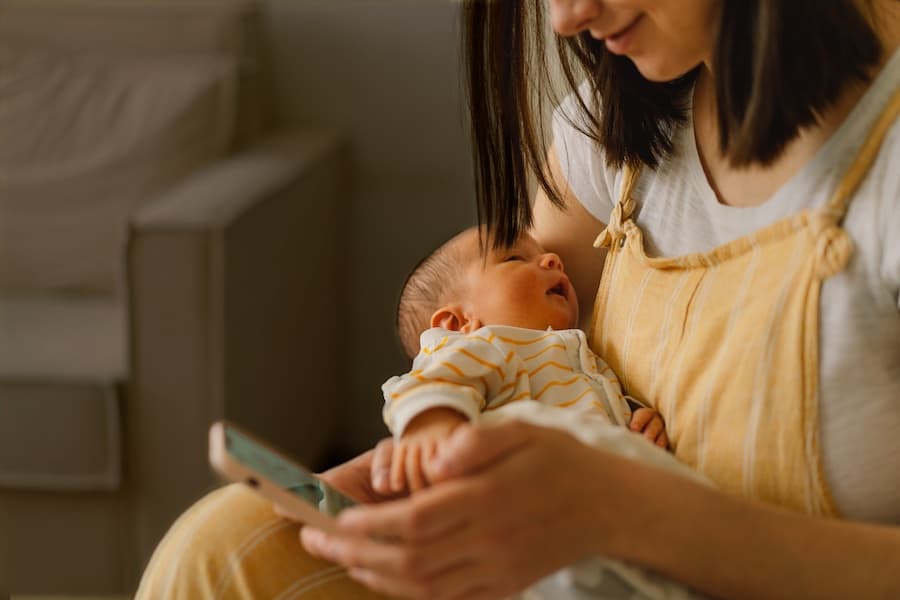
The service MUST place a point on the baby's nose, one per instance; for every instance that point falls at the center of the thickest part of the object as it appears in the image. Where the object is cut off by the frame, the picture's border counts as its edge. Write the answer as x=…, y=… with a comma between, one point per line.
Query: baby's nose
x=551, y=260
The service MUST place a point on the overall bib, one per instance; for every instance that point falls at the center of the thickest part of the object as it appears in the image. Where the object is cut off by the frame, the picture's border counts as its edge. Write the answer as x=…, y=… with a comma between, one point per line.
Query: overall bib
x=725, y=344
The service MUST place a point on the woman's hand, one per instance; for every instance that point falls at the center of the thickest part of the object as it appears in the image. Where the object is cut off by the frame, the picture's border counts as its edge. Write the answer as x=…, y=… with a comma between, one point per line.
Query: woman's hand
x=515, y=502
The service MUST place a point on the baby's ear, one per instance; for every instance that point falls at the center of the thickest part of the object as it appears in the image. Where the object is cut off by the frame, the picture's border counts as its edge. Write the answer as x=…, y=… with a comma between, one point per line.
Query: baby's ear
x=450, y=317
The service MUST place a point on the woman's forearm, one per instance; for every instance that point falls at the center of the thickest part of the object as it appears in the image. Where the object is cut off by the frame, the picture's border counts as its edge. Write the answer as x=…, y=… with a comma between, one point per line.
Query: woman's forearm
x=732, y=548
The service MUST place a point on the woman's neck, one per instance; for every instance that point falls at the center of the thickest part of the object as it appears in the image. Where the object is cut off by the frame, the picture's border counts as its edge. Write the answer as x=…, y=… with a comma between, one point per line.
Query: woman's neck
x=753, y=185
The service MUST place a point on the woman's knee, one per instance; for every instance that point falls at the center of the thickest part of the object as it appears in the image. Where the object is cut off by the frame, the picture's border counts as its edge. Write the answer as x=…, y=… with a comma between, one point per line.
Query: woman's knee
x=231, y=544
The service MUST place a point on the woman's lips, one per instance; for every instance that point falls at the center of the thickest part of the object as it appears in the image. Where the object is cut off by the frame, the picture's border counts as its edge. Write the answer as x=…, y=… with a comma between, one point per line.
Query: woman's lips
x=619, y=42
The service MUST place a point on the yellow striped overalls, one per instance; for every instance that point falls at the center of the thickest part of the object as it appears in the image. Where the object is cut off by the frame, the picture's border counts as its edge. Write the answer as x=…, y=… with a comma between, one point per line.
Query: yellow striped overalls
x=725, y=344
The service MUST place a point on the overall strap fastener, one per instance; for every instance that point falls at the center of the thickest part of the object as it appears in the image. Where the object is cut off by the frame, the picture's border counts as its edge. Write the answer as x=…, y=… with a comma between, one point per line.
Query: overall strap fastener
x=833, y=246
x=622, y=211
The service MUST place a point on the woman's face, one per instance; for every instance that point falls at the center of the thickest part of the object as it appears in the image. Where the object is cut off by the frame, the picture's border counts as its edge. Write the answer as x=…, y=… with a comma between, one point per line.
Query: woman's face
x=664, y=38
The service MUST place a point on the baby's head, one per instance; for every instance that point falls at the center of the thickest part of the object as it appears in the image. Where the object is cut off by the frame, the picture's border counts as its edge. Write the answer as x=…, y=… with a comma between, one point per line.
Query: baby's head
x=458, y=288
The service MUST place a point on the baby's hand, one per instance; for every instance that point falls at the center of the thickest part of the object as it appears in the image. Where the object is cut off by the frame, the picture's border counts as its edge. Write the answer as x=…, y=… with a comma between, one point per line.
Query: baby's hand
x=419, y=445
x=649, y=423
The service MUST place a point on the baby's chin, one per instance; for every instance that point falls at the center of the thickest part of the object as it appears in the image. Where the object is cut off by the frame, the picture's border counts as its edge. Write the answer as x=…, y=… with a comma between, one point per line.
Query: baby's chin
x=557, y=323
x=562, y=324
x=572, y=322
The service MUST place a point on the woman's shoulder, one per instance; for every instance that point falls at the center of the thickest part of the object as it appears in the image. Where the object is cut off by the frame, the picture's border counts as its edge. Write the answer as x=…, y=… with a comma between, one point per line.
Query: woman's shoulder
x=581, y=159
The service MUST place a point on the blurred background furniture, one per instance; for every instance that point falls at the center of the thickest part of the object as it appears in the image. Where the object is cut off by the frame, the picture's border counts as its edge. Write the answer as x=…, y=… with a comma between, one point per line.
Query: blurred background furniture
x=169, y=255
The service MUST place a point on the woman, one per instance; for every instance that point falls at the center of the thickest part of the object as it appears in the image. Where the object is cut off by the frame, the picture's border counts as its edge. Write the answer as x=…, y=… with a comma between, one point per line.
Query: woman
x=744, y=156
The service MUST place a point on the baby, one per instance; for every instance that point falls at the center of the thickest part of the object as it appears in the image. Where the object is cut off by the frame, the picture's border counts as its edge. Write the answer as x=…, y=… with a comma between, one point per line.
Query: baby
x=493, y=339
x=491, y=332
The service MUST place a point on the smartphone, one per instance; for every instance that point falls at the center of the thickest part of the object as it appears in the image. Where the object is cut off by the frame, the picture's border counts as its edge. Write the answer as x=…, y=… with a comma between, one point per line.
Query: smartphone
x=241, y=457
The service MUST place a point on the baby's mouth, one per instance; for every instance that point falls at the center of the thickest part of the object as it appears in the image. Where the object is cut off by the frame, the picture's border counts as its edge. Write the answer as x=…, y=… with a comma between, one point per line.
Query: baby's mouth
x=560, y=289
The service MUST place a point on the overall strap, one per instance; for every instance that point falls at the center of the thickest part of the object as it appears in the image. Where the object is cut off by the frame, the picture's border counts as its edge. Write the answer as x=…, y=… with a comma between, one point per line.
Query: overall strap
x=833, y=246
x=840, y=200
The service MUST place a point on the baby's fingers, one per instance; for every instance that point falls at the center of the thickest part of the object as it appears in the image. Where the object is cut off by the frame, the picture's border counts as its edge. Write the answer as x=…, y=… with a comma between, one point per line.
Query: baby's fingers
x=398, y=468
x=654, y=428
x=414, y=477
x=662, y=440
x=640, y=418
x=381, y=466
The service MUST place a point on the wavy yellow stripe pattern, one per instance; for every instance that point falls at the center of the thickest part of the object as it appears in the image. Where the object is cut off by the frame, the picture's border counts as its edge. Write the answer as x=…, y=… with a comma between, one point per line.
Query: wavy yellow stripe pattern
x=546, y=349
x=556, y=383
x=397, y=397
x=550, y=363
x=481, y=361
x=575, y=400
x=521, y=396
x=441, y=344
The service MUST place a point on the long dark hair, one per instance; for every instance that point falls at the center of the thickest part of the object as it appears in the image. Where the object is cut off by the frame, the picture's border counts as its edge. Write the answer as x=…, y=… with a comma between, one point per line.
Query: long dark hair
x=779, y=64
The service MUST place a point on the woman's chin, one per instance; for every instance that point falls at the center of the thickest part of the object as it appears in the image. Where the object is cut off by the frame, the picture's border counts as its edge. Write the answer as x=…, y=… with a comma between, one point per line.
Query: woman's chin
x=660, y=70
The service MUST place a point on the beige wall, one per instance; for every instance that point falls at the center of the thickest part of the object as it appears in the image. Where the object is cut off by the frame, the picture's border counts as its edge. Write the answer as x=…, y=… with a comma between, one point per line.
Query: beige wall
x=386, y=72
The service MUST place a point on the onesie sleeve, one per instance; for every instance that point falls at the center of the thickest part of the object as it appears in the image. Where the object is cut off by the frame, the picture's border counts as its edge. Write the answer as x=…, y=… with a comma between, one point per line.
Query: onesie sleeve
x=453, y=370
x=582, y=161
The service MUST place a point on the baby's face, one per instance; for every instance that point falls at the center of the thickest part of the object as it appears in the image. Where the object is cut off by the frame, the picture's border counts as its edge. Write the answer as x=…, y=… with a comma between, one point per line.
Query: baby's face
x=523, y=286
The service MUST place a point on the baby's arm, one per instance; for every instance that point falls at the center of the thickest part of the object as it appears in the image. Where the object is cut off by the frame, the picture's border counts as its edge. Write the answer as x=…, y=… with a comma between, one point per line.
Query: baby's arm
x=649, y=423
x=451, y=381
x=418, y=444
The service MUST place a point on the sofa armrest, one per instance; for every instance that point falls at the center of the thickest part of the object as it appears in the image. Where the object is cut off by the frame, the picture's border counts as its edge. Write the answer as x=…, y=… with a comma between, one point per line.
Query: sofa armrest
x=233, y=291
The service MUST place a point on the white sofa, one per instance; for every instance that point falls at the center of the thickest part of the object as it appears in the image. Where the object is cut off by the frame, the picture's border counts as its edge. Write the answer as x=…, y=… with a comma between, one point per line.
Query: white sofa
x=167, y=258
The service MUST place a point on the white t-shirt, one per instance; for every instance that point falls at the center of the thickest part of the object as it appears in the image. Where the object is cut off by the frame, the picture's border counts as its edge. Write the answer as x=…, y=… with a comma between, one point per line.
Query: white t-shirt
x=860, y=307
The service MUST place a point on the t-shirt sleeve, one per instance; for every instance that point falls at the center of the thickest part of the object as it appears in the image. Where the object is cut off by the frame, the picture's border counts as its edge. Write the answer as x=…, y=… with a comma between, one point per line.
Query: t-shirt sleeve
x=582, y=162
x=889, y=219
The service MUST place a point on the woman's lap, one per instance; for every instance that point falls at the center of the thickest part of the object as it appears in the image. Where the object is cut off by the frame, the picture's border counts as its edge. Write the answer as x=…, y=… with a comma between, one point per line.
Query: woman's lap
x=230, y=545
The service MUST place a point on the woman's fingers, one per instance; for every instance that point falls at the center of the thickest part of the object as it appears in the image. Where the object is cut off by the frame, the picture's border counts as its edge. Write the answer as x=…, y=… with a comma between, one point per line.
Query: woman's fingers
x=375, y=564
x=421, y=517
x=439, y=568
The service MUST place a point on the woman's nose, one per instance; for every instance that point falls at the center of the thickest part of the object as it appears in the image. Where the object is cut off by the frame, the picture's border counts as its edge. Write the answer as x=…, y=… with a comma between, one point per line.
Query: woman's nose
x=551, y=260
x=570, y=17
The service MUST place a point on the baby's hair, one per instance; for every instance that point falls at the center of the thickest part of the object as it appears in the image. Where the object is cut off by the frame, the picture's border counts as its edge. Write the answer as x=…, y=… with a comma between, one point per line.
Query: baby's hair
x=430, y=285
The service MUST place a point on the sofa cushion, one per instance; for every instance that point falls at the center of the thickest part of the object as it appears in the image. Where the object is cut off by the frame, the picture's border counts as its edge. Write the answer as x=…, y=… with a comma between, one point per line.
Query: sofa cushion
x=62, y=361
x=144, y=28
x=89, y=138
x=135, y=27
